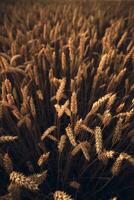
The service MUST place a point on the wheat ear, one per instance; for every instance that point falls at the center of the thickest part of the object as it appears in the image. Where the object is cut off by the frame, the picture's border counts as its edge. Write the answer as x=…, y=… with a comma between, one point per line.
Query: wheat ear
x=23, y=181
x=98, y=140
x=60, y=195
x=47, y=132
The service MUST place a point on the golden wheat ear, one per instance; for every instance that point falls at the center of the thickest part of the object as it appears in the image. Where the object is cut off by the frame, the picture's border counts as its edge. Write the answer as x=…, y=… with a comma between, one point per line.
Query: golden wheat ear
x=58, y=195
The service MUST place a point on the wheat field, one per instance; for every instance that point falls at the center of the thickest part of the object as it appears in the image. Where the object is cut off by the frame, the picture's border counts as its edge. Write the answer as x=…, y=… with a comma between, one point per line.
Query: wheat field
x=67, y=100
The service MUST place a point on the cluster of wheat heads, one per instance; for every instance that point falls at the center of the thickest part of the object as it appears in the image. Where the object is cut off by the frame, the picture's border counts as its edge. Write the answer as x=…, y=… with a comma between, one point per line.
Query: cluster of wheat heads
x=66, y=101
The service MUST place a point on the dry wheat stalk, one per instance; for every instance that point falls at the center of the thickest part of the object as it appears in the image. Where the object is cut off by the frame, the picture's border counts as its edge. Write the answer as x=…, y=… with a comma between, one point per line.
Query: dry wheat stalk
x=48, y=62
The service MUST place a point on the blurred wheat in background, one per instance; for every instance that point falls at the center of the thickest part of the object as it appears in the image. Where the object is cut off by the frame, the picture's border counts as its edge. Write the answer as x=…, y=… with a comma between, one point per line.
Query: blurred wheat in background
x=67, y=100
